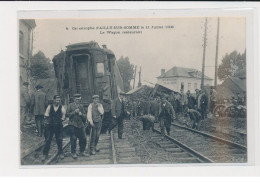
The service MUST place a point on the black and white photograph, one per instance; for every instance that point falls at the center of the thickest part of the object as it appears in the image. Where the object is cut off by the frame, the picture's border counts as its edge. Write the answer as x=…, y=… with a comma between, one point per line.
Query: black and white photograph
x=133, y=91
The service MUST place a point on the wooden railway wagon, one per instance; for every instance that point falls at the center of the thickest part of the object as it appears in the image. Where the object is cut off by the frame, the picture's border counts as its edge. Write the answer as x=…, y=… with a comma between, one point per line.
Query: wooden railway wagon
x=87, y=69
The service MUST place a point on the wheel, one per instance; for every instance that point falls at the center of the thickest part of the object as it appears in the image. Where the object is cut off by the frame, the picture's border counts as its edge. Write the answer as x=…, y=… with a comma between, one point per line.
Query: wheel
x=231, y=111
x=219, y=111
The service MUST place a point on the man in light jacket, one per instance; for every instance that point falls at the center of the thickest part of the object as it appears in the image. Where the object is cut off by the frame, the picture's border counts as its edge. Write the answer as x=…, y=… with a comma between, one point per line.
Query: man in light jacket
x=95, y=117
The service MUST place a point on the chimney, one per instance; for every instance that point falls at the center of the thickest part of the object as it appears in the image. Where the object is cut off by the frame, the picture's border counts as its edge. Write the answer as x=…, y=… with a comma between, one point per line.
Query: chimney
x=162, y=72
x=104, y=46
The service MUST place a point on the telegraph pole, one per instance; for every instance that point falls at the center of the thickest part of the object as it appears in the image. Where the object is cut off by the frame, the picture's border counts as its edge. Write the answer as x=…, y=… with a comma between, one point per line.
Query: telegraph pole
x=134, y=77
x=216, y=58
x=139, y=83
x=204, y=53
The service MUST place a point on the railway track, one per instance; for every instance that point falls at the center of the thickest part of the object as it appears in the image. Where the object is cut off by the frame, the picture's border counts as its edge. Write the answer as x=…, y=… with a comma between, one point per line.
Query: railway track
x=34, y=155
x=112, y=151
x=158, y=149
x=214, y=148
x=186, y=154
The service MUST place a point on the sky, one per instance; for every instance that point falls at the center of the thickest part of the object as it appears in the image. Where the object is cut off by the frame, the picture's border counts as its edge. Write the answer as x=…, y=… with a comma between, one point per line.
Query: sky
x=154, y=49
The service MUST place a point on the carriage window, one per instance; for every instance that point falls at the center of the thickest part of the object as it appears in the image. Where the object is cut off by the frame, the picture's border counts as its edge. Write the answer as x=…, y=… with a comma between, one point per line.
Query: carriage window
x=100, y=68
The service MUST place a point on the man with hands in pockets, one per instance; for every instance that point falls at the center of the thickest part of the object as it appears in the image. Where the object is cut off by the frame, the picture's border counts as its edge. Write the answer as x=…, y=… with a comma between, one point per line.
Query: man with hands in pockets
x=95, y=117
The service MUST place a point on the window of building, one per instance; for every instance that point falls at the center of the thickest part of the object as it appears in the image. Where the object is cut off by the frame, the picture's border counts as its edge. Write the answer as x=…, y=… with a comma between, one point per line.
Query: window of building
x=189, y=86
x=21, y=42
x=195, y=86
x=182, y=86
x=100, y=68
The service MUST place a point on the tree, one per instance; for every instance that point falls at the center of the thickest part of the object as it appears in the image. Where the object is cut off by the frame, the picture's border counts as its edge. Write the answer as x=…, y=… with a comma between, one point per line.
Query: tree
x=126, y=70
x=231, y=65
x=41, y=66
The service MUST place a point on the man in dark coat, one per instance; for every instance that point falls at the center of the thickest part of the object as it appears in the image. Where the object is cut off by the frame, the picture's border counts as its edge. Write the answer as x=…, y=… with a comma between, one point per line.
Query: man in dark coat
x=203, y=104
x=166, y=116
x=191, y=101
x=173, y=101
x=118, y=111
x=55, y=115
x=148, y=121
x=39, y=103
x=76, y=126
x=195, y=116
x=154, y=107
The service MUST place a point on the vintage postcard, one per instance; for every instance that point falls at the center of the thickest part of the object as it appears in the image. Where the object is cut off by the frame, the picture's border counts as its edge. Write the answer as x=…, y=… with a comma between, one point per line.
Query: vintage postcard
x=105, y=91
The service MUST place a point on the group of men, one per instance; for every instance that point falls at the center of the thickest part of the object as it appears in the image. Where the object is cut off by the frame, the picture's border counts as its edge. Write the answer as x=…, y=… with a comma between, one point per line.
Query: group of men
x=79, y=119
x=50, y=117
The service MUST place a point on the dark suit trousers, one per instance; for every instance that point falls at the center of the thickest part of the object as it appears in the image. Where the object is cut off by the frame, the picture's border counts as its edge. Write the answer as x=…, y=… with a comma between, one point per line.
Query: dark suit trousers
x=39, y=123
x=120, y=126
x=77, y=133
x=50, y=130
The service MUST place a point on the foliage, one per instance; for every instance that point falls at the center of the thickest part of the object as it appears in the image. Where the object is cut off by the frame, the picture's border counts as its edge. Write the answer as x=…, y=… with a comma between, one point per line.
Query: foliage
x=41, y=66
x=232, y=64
x=126, y=70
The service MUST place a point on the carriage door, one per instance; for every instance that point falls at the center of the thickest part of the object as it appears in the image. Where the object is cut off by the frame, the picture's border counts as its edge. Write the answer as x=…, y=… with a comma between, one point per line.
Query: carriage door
x=84, y=77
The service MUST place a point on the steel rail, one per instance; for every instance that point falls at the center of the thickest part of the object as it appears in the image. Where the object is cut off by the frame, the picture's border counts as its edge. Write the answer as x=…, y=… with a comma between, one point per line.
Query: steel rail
x=54, y=156
x=201, y=157
x=233, y=144
x=113, y=147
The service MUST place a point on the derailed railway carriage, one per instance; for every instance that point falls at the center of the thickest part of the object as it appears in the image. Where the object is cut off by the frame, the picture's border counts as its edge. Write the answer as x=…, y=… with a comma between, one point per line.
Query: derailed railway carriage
x=87, y=69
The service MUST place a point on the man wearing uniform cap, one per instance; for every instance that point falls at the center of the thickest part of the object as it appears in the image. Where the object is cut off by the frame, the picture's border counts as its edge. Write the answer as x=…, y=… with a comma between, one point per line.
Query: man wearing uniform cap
x=76, y=126
x=95, y=117
x=39, y=103
x=54, y=116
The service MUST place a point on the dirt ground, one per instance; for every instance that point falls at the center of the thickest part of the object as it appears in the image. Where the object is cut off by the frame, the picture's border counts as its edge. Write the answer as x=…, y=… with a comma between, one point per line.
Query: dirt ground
x=214, y=125
x=28, y=137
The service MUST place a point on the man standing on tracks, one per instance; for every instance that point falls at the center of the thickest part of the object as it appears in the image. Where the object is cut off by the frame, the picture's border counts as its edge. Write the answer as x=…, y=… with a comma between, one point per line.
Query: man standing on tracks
x=118, y=111
x=166, y=115
x=95, y=117
x=39, y=104
x=76, y=126
x=54, y=116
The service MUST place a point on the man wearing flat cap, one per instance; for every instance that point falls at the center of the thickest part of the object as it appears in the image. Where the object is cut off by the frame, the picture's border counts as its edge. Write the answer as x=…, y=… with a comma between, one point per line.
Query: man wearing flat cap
x=24, y=102
x=166, y=115
x=54, y=115
x=95, y=117
x=76, y=126
x=39, y=104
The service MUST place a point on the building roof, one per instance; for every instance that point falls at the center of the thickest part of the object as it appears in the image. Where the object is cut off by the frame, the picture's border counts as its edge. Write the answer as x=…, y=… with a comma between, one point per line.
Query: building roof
x=241, y=74
x=239, y=82
x=134, y=90
x=183, y=72
x=228, y=90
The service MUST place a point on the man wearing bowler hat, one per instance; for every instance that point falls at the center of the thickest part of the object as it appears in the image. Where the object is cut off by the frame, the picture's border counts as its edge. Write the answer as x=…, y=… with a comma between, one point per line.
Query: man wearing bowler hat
x=39, y=104
x=76, y=126
x=95, y=117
